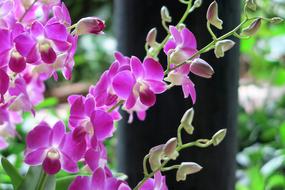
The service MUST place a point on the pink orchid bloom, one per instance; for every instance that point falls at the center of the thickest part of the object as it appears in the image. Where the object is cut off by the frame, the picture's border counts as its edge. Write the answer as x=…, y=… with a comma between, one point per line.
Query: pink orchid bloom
x=140, y=83
x=98, y=181
x=53, y=148
x=181, y=46
x=179, y=77
x=158, y=183
x=86, y=119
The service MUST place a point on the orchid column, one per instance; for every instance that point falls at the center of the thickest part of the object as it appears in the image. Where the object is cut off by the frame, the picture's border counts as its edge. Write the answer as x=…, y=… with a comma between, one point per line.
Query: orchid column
x=215, y=107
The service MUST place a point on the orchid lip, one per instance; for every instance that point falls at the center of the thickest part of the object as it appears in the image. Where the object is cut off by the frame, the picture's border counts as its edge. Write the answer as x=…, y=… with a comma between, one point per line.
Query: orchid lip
x=53, y=154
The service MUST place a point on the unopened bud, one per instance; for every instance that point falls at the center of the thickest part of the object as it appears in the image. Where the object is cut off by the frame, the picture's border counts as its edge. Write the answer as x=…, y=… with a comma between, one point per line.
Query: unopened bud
x=222, y=46
x=253, y=28
x=169, y=149
x=187, y=168
x=151, y=37
x=201, y=68
x=90, y=25
x=219, y=136
x=155, y=157
x=276, y=20
x=251, y=4
x=165, y=16
x=186, y=121
x=212, y=15
x=197, y=3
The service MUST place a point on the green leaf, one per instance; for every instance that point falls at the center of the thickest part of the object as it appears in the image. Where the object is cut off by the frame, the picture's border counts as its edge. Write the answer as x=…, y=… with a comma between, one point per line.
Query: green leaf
x=276, y=181
x=49, y=102
x=12, y=172
x=34, y=177
x=64, y=182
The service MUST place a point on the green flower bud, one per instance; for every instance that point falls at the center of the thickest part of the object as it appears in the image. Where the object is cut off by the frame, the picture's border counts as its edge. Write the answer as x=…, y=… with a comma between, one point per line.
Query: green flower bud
x=155, y=157
x=197, y=3
x=251, y=4
x=219, y=136
x=169, y=149
x=222, y=46
x=276, y=20
x=212, y=15
x=253, y=28
x=165, y=16
x=187, y=168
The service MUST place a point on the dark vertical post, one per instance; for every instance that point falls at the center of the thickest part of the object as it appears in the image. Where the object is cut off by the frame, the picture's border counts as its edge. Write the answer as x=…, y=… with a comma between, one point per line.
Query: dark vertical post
x=216, y=106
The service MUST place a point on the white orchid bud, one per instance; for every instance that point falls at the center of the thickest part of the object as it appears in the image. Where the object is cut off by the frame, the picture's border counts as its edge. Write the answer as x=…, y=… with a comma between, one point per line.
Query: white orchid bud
x=165, y=16
x=219, y=136
x=186, y=121
x=201, y=68
x=155, y=157
x=187, y=168
x=212, y=15
x=169, y=149
x=222, y=46
x=276, y=20
x=151, y=37
x=197, y=3
x=253, y=28
x=251, y=4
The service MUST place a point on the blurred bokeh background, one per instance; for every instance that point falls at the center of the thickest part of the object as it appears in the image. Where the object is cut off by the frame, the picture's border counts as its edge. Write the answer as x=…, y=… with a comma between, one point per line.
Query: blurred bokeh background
x=261, y=124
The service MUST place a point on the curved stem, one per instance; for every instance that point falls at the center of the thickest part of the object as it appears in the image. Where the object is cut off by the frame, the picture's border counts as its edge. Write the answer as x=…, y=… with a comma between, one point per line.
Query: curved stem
x=42, y=180
x=26, y=12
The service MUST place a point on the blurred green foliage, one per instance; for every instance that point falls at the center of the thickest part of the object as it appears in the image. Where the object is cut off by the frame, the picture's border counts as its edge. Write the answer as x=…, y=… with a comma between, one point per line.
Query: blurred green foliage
x=261, y=157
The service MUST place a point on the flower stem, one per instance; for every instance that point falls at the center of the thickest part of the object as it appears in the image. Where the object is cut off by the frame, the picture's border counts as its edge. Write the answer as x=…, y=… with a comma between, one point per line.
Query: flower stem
x=26, y=12
x=42, y=180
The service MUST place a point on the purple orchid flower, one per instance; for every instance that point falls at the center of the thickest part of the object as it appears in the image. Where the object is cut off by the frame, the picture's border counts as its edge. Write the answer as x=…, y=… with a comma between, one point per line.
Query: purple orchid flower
x=140, y=83
x=99, y=181
x=86, y=119
x=182, y=46
x=158, y=183
x=53, y=148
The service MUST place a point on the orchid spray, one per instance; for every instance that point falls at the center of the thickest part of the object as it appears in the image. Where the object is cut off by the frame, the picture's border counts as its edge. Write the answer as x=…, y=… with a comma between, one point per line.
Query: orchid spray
x=38, y=39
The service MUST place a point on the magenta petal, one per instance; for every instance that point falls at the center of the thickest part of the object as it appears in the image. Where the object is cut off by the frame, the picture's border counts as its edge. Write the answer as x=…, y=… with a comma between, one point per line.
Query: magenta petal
x=147, y=97
x=169, y=46
x=36, y=157
x=37, y=29
x=80, y=183
x=5, y=40
x=57, y=133
x=141, y=115
x=24, y=44
x=62, y=46
x=157, y=87
x=56, y=32
x=48, y=55
x=103, y=124
x=188, y=38
x=124, y=187
x=123, y=84
x=137, y=67
x=39, y=136
x=79, y=133
x=51, y=166
x=176, y=34
x=131, y=101
x=4, y=84
x=92, y=158
x=17, y=63
x=153, y=69
x=34, y=56
x=189, y=89
x=68, y=164
x=89, y=106
x=3, y=143
x=74, y=149
x=98, y=179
